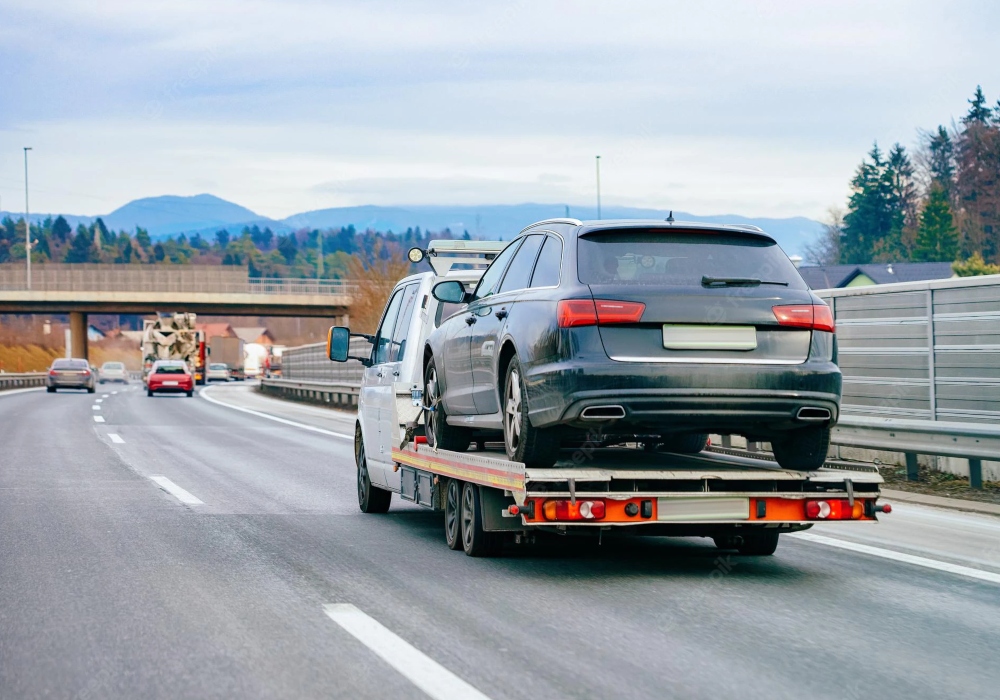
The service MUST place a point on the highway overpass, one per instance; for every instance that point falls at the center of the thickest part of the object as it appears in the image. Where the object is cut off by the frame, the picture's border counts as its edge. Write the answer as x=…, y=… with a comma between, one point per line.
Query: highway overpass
x=79, y=290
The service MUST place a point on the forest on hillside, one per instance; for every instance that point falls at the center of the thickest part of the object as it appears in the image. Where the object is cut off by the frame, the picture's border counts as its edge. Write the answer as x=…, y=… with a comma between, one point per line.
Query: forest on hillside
x=942, y=204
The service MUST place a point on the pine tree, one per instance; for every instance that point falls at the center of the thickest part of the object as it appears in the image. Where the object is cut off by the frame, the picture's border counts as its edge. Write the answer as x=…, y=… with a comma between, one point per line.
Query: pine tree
x=937, y=237
x=82, y=250
x=222, y=238
x=875, y=219
x=61, y=230
x=979, y=113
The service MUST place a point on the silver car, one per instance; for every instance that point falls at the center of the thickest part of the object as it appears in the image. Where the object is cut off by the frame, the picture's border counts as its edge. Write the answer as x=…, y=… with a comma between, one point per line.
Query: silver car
x=113, y=372
x=70, y=373
x=217, y=372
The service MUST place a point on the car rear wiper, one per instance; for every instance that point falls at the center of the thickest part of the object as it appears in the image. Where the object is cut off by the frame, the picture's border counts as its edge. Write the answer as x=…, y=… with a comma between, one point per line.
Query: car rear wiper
x=737, y=282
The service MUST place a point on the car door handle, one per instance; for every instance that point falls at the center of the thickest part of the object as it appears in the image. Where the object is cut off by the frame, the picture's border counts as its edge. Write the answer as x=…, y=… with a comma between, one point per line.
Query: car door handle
x=501, y=314
x=470, y=320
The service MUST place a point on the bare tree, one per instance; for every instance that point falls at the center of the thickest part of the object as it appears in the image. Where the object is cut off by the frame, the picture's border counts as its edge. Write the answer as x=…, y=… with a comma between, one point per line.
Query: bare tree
x=826, y=249
x=375, y=273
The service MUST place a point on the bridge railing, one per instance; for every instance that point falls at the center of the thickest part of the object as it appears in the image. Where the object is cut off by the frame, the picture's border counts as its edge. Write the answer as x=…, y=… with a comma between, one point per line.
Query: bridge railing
x=10, y=380
x=215, y=279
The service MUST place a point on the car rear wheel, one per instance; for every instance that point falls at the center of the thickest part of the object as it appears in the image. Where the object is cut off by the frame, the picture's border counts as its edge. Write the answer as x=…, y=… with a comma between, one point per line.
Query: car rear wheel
x=189, y=394
x=50, y=389
x=453, y=514
x=535, y=447
x=149, y=392
x=804, y=449
x=442, y=435
x=475, y=540
x=685, y=444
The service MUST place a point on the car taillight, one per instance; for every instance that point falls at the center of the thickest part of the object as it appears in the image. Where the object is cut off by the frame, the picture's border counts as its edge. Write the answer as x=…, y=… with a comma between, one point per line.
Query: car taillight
x=52, y=373
x=567, y=510
x=834, y=509
x=817, y=317
x=587, y=312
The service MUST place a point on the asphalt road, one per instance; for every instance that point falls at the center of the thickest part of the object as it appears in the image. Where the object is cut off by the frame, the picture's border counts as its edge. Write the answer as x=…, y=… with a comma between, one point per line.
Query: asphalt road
x=112, y=587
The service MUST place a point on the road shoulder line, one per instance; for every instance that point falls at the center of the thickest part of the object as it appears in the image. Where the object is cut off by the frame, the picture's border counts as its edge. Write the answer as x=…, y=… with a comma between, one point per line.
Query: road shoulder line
x=204, y=394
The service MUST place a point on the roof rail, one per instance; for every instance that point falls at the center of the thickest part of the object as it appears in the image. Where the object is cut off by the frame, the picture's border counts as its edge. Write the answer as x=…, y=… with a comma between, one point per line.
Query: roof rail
x=562, y=220
x=748, y=227
x=443, y=255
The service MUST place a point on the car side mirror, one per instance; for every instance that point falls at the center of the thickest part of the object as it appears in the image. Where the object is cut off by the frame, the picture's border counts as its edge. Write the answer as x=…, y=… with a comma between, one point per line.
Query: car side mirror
x=338, y=345
x=451, y=292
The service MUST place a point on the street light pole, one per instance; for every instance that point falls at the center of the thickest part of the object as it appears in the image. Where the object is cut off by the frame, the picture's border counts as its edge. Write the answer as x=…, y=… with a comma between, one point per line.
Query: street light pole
x=27, y=217
x=598, y=187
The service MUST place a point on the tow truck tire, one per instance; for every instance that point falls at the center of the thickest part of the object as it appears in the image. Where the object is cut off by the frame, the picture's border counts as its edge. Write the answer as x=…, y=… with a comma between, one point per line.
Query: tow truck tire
x=371, y=499
x=804, y=449
x=149, y=392
x=685, y=444
x=441, y=435
x=475, y=540
x=761, y=543
x=535, y=447
x=453, y=514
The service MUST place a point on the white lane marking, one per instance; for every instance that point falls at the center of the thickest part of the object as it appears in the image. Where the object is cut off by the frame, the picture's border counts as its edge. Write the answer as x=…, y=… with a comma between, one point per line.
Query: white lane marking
x=95, y=407
x=116, y=438
x=113, y=393
x=104, y=396
x=204, y=394
x=98, y=419
x=10, y=392
x=899, y=556
x=421, y=670
x=176, y=491
x=98, y=400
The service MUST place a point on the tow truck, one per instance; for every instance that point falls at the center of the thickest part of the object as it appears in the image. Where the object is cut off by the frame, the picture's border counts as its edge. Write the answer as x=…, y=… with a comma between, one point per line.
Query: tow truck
x=742, y=500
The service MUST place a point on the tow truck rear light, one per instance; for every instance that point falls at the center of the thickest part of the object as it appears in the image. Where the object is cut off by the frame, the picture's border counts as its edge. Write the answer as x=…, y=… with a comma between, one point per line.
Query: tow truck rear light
x=588, y=312
x=834, y=509
x=589, y=509
x=817, y=317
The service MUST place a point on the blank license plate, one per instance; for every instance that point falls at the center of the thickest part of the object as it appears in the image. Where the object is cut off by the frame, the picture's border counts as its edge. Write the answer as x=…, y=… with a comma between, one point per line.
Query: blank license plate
x=170, y=383
x=690, y=337
x=703, y=509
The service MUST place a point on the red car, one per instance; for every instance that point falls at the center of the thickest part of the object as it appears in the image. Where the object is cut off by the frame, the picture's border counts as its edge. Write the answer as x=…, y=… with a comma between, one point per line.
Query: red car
x=170, y=375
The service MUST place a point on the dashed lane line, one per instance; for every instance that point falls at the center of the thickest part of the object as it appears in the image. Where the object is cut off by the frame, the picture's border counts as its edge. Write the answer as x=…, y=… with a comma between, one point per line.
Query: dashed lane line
x=344, y=436
x=116, y=438
x=98, y=419
x=176, y=491
x=424, y=672
x=924, y=562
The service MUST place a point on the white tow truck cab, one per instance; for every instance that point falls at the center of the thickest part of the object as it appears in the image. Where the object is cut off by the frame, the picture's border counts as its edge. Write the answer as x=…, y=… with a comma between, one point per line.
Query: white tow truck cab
x=740, y=500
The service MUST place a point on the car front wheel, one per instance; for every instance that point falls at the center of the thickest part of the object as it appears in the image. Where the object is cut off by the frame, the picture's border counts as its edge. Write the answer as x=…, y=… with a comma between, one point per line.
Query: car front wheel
x=535, y=447
x=804, y=449
x=444, y=436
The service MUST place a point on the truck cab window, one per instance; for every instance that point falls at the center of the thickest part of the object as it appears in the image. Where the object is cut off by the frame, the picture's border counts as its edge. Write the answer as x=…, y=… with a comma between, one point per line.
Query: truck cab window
x=383, y=339
x=403, y=324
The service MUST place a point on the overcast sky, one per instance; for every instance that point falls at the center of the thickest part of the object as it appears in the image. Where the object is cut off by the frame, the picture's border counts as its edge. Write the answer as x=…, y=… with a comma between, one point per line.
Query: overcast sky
x=761, y=109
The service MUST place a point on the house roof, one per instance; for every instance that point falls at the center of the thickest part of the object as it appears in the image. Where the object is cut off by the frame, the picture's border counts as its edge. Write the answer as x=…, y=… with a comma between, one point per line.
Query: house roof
x=214, y=330
x=251, y=334
x=835, y=276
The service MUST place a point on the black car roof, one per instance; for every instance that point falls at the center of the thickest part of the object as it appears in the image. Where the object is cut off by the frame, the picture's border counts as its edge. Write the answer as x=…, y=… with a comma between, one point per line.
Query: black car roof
x=585, y=227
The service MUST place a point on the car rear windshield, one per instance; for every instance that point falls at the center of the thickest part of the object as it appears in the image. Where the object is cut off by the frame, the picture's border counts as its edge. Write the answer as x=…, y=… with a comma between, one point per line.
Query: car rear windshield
x=70, y=364
x=170, y=369
x=217, y=365
x=679, y=258
x=112, y=365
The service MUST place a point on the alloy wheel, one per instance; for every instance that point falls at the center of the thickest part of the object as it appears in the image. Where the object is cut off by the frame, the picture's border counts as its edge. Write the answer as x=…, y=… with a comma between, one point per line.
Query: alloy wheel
x=468, y=517
x=362, y=479
x=452, y=514
x=512, y=412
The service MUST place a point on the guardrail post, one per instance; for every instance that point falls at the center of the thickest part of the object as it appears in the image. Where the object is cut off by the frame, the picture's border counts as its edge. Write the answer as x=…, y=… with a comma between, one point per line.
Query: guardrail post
x=912, y=469
x=976, y=473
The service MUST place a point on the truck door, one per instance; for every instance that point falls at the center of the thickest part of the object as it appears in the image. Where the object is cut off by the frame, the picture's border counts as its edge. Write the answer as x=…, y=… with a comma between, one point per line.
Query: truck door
x=492, y=313
x=390, y=384
x=376, y=393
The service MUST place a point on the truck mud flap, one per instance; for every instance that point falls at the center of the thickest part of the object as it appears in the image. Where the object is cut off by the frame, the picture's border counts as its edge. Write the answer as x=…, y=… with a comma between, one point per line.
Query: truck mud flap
x=494, y=503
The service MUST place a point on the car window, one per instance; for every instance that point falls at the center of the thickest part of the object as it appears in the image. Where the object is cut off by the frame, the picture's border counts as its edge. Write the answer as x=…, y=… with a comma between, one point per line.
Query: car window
x=70, y=364
x=548, y=265
x=519, y=270
x=491, y=278
x=217, y=365
x=170, y=369
x=383, y=339
x=681, y=258
x=112, y=365
x=403, y=323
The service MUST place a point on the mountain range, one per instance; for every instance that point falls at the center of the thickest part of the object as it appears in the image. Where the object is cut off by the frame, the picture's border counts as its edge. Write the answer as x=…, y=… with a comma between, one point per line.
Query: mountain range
x=205, y=214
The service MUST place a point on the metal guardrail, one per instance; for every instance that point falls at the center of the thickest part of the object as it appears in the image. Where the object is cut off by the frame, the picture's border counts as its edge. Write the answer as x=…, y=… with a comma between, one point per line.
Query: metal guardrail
x=334, y=394
x=309, y=363
x=17, y=381
x=222, y=279
x=972, y=441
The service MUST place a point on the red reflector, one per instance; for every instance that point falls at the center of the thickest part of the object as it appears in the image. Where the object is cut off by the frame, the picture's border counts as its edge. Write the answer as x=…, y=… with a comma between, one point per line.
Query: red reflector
x=581, y=510
x=834, y=509
x=619, y=311
x=816, y=317
x=420, y=439
x=576, y=312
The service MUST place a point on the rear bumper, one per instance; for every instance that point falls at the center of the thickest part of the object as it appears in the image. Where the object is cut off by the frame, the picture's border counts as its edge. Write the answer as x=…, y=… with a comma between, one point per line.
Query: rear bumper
x=736, y=398
x=159, y=388
x=68, y=383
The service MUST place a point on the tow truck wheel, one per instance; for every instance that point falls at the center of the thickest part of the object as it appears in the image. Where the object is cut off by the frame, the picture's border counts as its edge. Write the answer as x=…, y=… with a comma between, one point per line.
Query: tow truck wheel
x=475, y=540
x=442, y=435
x=371, y=499
x=804, y=449
x=536, y=447
x=761, y=543
x=453, y=514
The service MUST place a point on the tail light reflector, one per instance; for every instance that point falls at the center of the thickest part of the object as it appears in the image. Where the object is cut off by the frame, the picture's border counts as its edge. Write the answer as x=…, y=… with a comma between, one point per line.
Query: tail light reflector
x=817, y=317
x=567, y=510
x=834, y=509
x=589, y=312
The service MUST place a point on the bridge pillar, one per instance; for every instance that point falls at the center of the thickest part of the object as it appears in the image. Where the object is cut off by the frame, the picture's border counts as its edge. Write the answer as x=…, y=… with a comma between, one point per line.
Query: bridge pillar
x=78, y=334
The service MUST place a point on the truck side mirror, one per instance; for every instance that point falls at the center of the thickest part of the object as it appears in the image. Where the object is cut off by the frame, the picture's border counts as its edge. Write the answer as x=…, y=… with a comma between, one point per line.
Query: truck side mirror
x=451, y=292
x=338, y=343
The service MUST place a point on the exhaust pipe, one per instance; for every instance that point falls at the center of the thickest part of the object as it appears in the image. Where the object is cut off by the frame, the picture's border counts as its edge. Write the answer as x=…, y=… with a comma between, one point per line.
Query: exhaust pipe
x=602, y=413
x=813, y=415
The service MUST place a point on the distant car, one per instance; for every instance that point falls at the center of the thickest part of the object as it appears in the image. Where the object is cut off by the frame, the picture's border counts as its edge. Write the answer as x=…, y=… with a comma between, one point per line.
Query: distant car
x=170, y=376
x=113, y=372
x=217, y=372
x=70, y=373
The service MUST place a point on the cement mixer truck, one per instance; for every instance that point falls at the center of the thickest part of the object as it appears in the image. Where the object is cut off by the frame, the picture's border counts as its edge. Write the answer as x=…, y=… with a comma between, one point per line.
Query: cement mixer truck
x=172, y=337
